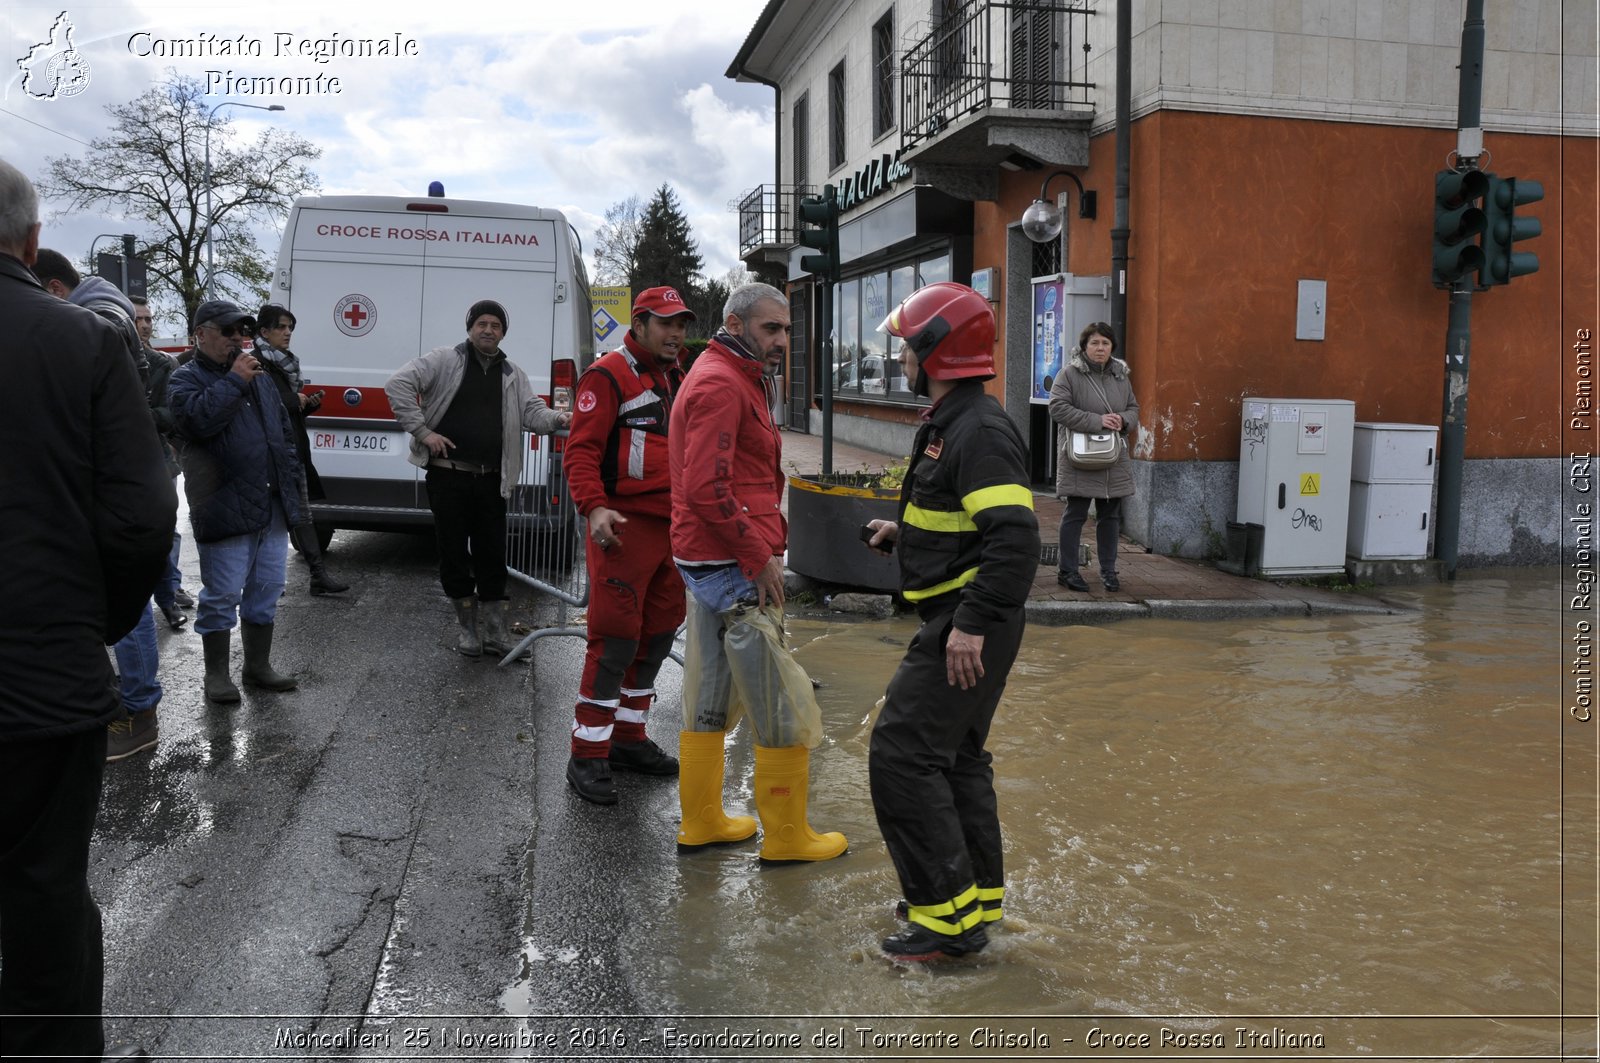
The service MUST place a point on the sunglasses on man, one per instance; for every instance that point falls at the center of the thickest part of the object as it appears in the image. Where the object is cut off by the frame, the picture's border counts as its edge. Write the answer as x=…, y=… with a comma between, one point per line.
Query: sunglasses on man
x=232, y=331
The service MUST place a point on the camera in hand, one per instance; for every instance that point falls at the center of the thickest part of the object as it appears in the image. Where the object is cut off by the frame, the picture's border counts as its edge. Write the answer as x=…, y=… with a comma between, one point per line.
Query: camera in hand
x=868, y=531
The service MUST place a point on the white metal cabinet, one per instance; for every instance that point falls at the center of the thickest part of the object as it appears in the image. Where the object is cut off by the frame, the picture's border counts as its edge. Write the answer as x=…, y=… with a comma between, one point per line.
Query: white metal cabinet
x=1391, y=491
x=1294, y=481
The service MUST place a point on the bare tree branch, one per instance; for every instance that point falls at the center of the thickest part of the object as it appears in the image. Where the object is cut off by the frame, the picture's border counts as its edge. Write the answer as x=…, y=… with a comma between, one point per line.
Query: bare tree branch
x=151, y=168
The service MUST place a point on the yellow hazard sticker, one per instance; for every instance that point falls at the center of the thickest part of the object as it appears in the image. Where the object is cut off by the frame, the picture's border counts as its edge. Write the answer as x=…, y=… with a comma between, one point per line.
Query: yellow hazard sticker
x=1311, y=483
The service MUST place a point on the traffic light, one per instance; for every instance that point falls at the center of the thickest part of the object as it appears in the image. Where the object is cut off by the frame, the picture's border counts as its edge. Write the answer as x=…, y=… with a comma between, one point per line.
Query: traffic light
x=1456, y=220
x=1502, y=229
x=819, y=216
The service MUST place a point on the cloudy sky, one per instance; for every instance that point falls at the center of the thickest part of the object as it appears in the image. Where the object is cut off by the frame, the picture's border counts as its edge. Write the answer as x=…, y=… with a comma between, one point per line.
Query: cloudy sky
x=555, y=103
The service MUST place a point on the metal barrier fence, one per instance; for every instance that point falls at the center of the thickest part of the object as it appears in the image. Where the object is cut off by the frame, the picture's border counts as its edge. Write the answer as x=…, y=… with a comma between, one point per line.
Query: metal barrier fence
x=544, y=549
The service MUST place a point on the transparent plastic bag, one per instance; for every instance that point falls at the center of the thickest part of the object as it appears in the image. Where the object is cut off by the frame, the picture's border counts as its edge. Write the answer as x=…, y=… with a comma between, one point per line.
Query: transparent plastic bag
x=754, y=674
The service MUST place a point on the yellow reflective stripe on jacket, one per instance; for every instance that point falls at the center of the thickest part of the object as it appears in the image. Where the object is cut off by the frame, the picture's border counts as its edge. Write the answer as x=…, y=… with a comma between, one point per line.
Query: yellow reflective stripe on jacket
x=999, y=495
x=939, y=588
x=937, y=917
x=938, y=520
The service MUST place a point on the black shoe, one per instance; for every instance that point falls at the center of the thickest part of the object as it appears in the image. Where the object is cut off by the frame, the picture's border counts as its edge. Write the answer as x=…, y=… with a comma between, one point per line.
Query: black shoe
x=1110, y=580
x=322, y=583
x=134, y=733
x=1071, y=581
x=182, y=599
x=645, y=757
x=918, y=944
x=591, y=778
x=175, y=619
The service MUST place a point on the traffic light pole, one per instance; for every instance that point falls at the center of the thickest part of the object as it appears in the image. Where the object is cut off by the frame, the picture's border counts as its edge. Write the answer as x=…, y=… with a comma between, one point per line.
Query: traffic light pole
x=1458, y=334
x=1453, y=434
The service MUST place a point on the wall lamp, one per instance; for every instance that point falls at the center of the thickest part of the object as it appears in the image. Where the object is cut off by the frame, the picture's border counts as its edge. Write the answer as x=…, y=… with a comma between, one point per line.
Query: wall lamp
x=1042, y=220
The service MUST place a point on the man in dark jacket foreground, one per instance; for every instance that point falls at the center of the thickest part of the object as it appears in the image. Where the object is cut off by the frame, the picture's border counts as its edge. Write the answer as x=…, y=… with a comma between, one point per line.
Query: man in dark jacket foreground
x=240, y=475
x=86, y=518
x=969, y=548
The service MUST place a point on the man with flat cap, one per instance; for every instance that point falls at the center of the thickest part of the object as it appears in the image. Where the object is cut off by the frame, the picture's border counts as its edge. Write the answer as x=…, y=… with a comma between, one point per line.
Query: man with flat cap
x=616, y=464
x=466, y=407
x=241, y=476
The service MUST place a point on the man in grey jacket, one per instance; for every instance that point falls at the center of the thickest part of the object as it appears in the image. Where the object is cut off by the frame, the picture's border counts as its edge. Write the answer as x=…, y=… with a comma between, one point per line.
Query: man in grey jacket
x=466, y=408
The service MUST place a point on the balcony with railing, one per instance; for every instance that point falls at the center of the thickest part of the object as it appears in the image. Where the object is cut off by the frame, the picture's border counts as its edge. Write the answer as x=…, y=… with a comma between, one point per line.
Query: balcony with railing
x=997, y=82
x=769, y=217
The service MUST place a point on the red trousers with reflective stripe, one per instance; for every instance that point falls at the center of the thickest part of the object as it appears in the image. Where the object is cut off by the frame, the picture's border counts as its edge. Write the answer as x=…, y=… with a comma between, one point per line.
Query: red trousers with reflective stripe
x=635, y=604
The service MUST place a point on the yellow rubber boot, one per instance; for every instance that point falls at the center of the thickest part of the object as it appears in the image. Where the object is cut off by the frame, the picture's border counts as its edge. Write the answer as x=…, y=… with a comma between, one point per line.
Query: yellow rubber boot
x=782, y=776
x=700, y=794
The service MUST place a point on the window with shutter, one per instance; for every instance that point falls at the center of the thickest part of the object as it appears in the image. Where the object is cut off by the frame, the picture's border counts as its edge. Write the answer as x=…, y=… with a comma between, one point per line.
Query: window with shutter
x=1035, y=47
x=836, y=127
x=883, y=75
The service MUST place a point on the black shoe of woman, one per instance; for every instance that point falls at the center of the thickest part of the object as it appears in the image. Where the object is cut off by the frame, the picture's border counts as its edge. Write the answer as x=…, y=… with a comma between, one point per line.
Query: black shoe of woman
x=1072, y=581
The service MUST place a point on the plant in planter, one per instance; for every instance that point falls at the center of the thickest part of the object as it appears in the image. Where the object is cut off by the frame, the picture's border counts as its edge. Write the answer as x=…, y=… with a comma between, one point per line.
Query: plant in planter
x=826, y=512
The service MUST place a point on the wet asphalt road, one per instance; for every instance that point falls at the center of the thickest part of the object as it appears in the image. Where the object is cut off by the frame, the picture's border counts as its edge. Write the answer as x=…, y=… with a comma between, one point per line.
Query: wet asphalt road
x=394, y=838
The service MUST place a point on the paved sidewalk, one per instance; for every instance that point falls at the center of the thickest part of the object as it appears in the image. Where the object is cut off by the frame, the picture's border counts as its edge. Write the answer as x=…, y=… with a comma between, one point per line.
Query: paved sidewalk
x=1153, y=585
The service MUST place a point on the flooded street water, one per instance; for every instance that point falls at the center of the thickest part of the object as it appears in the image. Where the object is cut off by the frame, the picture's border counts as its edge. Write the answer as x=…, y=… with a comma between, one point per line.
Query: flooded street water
x=1307, y=824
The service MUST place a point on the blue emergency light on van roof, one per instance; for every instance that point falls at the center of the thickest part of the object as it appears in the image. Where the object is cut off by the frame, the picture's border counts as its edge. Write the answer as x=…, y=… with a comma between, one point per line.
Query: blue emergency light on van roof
x=436, y=189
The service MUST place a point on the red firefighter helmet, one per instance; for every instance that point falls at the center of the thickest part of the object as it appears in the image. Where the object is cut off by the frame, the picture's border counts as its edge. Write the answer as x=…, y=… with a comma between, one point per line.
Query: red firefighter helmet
x=949, y=328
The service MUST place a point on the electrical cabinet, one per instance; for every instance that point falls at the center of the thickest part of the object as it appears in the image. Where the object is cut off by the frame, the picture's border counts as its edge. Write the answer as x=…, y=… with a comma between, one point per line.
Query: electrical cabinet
x=1294, y=481
x=1391, y=490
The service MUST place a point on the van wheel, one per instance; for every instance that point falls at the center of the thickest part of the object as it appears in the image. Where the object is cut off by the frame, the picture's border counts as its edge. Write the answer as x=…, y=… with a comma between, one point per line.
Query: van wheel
x=324, y=536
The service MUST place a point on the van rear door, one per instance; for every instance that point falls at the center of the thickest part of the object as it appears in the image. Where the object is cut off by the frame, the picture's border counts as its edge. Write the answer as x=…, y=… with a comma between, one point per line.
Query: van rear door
x=356, y=294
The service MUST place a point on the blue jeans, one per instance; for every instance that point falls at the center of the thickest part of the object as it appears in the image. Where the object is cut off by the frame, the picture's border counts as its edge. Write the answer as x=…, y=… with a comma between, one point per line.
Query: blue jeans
x=242, y=577
x=138, y=659
x=167, y=586
x=718, y=588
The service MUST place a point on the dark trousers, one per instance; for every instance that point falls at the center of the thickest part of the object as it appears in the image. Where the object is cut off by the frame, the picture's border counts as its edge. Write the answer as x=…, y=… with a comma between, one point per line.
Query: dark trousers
x=931, y=780
x=469, y=520
x=1107, y=527
x=50, y=949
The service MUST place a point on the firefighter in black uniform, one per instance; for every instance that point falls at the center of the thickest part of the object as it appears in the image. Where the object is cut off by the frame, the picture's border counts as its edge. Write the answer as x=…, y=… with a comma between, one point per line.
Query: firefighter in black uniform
x=969, y=549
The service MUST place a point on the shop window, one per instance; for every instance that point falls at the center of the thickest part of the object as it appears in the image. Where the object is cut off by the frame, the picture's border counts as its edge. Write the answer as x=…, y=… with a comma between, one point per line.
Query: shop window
x=868, y=365
x=847, y=337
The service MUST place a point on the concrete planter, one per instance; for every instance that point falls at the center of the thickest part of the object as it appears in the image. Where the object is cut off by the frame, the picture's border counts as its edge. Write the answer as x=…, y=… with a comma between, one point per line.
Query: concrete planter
x=825, y=519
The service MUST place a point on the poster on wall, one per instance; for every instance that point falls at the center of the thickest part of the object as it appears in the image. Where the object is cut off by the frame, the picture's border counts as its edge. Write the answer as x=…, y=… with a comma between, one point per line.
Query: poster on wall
x=1049, y=326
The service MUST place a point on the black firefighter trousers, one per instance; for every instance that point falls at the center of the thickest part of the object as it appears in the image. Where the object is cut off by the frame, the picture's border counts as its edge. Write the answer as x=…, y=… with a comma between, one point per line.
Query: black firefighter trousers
x=932, y=784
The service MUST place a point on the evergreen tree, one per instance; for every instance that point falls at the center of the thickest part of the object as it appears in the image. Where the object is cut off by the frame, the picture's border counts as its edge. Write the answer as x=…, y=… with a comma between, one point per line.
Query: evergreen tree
x=667, y=251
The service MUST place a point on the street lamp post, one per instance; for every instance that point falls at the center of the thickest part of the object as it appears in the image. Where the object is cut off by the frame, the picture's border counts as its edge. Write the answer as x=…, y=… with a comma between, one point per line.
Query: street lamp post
x=211, y=272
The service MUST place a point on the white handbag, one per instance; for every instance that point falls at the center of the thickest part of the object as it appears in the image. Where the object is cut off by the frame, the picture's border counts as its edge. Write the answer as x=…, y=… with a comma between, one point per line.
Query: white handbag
x=1094, y=450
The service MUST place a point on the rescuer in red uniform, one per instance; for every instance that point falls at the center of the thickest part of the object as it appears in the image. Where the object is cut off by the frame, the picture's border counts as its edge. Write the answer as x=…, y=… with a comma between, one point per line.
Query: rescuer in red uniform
x=616, y=466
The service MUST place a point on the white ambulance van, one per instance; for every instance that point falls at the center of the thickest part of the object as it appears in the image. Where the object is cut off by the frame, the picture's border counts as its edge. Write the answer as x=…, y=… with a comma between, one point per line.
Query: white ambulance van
x=374, y=281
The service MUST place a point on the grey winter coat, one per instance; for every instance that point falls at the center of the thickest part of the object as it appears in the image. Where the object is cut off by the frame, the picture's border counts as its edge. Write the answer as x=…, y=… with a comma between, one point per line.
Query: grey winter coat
x=1075, y=405
x=422, y=390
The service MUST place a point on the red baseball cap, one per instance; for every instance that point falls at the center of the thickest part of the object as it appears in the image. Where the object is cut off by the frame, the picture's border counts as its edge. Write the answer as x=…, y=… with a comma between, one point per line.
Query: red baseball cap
x=662, y=302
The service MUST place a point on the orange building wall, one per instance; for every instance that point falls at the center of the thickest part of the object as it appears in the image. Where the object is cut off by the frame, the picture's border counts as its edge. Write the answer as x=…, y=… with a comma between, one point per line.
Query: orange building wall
x=1229, y=212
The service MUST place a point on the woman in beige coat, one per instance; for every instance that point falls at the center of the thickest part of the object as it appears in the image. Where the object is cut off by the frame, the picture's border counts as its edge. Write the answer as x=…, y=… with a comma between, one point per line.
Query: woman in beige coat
x=1092, y=393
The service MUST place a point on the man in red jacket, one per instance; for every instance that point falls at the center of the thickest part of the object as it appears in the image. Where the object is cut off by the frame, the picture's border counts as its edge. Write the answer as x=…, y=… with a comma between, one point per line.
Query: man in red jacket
x=616, y=466
x=728, y=537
